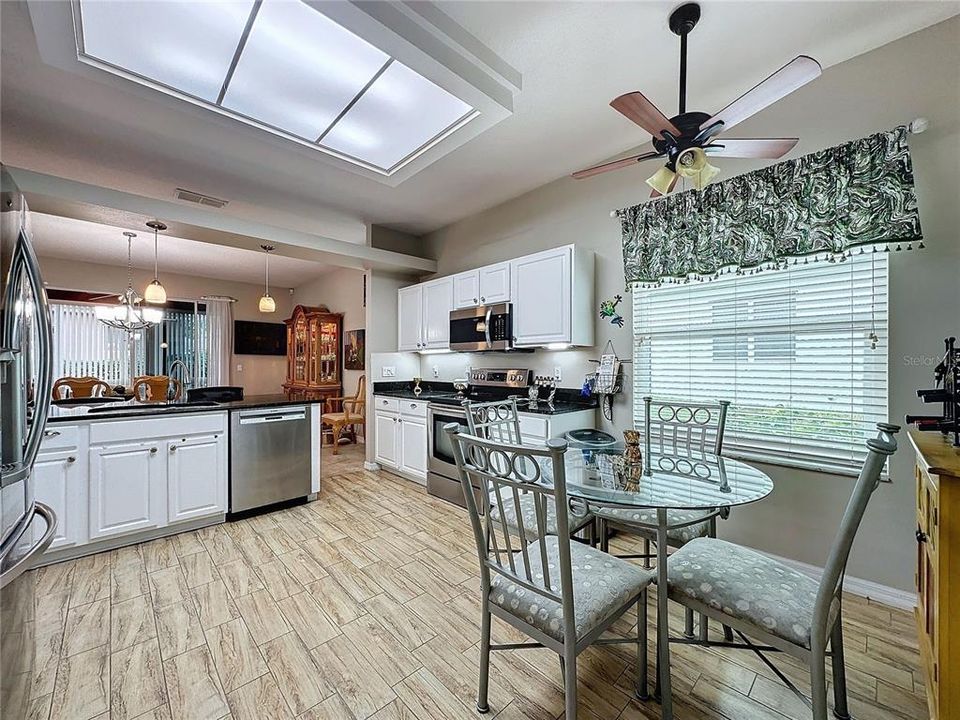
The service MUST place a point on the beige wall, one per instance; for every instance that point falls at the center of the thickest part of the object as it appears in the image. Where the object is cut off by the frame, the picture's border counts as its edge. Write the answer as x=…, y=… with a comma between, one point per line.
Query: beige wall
x=341, y=291
x=915, y=76
x=260, y=374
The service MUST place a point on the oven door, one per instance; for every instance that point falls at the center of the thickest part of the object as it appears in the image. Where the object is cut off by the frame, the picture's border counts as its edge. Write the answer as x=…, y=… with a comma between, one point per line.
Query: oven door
x=439, y=447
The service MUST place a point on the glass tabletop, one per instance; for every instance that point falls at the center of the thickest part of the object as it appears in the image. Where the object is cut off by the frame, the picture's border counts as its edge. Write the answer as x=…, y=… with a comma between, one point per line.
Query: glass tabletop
x=694, y=481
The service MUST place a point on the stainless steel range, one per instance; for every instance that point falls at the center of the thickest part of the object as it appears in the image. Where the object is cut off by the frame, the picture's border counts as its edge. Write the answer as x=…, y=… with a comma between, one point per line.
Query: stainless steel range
x=486, y=385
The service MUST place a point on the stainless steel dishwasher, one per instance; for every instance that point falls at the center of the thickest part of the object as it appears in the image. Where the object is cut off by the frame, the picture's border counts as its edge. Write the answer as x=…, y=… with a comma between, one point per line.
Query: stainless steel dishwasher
x=269, y=456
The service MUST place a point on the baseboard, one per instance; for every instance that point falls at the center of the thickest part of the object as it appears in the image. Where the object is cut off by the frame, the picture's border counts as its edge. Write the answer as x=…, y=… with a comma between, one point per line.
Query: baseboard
x=903, y=599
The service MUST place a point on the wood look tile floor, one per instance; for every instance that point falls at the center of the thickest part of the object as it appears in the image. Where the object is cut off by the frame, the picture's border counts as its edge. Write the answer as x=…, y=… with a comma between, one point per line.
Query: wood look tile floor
x=365, y=604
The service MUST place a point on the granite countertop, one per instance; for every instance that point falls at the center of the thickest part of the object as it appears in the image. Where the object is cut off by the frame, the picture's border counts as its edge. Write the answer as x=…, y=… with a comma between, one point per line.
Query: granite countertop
x=133, y=408
x=567, y=400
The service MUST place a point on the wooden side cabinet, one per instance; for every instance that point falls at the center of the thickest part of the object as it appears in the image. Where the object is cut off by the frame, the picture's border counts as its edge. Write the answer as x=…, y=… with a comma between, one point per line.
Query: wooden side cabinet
x=314, y=354
x=937, y=478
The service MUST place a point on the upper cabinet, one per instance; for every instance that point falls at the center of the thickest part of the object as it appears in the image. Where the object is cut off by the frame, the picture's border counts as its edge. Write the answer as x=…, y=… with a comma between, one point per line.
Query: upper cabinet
x=424, y=315
x=486, y=286
x=551, y=294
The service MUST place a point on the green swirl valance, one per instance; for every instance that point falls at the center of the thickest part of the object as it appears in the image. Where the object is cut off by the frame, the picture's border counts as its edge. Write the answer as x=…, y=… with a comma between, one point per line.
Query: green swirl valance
x=823, y=205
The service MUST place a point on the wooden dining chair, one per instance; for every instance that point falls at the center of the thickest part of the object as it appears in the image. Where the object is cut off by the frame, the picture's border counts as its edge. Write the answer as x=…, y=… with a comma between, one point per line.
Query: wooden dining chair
x=80, y=387
x=563, y=595
x=500, y=422
x=768, y=600
x=673, y=428
x=346, y=413
x=157, y=388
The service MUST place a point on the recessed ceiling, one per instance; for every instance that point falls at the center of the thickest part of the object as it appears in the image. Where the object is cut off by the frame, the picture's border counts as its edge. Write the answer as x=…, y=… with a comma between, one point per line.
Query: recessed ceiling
x=82, y=241
x=281, y=65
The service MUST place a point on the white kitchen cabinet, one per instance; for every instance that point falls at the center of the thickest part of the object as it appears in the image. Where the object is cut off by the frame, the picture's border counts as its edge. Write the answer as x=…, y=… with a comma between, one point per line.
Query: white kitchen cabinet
x=466, y=289
x=127, y=489
x=552, y=295
x=60, y=481
x=486, y=286
x=410, y=317
x=437, y=304
x=385, y=429
x=196, y=477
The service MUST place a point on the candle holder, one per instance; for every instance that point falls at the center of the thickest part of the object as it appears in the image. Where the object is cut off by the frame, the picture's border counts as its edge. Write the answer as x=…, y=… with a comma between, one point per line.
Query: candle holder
x=416, y=386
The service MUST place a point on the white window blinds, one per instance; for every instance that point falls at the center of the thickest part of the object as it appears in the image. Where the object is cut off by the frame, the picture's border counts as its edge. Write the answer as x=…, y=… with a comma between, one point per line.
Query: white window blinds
x=85, y=347
x=792, y=350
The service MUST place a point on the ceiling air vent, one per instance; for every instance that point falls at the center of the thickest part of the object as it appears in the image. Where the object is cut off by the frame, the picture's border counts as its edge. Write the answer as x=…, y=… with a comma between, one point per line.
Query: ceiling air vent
x=200, y=199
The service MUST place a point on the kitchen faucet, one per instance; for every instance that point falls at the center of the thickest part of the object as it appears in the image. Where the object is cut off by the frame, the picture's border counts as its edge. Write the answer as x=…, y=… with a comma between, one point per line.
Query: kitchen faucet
x=185, y=380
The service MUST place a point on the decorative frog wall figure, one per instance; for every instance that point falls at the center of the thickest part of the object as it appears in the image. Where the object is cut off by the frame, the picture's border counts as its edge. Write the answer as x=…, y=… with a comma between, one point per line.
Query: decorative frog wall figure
x=608, y=309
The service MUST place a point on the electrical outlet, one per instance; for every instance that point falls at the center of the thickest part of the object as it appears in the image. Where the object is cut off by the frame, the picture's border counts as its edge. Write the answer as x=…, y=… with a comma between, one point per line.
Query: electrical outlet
x=239, y=367
x=388, y=371
x=436, y=371
x=557, y=374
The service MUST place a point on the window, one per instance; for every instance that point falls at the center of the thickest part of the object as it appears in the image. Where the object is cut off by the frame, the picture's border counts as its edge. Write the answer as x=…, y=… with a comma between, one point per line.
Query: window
x=801, y=354
x=84, y=346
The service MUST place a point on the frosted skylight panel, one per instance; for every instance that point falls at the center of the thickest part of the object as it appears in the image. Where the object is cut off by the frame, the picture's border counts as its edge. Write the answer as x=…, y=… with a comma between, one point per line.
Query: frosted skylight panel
x=186, y=45
x=299, y=69
x=400, y=113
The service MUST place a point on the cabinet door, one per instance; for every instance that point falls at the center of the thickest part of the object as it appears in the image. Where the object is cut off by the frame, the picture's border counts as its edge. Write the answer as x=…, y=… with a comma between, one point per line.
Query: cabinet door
x=410, y=317
x=541, y=296
x=437, y=304
x=413, y=447
x=385, y=427
x=495, y=283
x=196, y=477
x=466, y=289
x=127, y=489
x=59, y=480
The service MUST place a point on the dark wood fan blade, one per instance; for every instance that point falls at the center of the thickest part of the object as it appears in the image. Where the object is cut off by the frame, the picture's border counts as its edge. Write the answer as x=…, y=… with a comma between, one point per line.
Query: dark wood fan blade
x=615, y=165
x=673, y=184
x=795, y=74
x=644, y=113
x=751, y=147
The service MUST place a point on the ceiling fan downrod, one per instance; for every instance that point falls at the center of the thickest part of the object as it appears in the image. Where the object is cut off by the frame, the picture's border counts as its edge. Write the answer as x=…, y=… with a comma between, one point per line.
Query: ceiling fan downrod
x=682, y=21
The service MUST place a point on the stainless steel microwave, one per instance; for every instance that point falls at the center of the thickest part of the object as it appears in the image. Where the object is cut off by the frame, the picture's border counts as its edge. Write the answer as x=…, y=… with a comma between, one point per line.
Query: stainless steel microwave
x=486, y=327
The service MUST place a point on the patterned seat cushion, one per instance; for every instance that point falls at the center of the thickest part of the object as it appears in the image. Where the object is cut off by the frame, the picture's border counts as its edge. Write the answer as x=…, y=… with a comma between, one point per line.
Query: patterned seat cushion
x=676, y=536
x=601, y=585
x=746, y=585
x=528, y=514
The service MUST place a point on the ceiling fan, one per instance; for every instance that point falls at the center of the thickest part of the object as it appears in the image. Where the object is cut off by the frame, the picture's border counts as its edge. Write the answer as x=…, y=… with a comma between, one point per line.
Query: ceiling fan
x=688, y=138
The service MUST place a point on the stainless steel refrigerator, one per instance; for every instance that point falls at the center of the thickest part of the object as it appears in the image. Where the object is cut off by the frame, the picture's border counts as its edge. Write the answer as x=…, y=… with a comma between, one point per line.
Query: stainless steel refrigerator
x=26, y=526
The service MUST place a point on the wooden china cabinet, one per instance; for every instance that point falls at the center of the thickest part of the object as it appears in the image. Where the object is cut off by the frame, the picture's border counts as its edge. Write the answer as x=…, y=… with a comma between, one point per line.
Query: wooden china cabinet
x=314, y=347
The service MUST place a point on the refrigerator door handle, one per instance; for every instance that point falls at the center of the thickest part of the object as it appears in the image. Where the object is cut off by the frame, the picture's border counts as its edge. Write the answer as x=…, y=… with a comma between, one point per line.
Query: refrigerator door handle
x=31, y=268
x=20, y=566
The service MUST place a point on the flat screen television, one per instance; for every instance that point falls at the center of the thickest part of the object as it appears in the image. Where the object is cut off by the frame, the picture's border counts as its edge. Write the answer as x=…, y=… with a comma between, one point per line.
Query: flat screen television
x=259, y=338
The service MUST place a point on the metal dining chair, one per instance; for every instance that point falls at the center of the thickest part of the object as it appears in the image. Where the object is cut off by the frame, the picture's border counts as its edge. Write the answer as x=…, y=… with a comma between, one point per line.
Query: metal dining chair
x=672, y=428
x=563, y=595
x=766, y=599
x=500, y=422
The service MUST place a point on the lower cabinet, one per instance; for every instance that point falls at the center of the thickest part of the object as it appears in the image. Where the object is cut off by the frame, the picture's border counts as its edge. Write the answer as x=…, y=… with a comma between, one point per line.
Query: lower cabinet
x=196, y=477
x=60, y=480
x=127, y=489
x=400, y=429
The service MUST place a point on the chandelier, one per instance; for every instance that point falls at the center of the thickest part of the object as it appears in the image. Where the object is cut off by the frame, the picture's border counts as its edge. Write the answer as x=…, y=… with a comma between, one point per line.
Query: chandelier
x=129, y=315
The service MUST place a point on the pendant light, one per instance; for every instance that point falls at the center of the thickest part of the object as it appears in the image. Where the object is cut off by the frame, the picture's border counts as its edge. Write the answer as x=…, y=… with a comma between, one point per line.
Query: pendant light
x=267, y=303
x=155, y=292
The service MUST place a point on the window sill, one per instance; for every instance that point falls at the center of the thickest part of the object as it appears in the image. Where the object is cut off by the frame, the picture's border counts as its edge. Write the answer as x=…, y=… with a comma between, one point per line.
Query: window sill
x=797, y=463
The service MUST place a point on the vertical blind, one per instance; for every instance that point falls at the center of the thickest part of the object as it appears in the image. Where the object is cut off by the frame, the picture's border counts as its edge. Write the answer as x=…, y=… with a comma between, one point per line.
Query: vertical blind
x=801, y=354
x=83, y=346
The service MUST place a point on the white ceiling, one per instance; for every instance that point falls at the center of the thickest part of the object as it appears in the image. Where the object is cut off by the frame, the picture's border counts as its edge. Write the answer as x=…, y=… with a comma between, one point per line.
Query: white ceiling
x=574, y=58
x=69, y=239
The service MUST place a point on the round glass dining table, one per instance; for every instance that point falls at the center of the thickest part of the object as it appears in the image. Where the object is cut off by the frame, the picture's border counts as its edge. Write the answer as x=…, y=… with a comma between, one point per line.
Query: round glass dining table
x=692, y=481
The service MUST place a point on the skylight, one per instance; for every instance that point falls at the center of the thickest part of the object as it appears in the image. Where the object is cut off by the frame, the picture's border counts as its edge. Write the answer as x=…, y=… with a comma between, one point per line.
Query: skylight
x=281, y=65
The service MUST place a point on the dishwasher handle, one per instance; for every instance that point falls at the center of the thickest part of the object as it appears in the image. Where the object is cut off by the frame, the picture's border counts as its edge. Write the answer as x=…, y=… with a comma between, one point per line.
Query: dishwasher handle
x=263, y=418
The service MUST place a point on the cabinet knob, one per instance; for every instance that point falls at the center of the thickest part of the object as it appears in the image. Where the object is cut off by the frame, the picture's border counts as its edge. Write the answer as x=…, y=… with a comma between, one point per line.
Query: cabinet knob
x=413, y=405
x=921, y=535
x=153, y=450
x=474, y=299
x=71, y=459
x=173, y=448
x=483, y=299
x=51, y=433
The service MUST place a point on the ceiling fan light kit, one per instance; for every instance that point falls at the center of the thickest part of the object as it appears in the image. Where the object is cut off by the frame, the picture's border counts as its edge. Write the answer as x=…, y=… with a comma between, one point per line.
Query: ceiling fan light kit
x=686, y=139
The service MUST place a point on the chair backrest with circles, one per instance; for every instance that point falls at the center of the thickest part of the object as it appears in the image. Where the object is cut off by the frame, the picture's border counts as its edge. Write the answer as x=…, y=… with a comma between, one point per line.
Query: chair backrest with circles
x=679, y=426
x=156, y=388
x=499, y=421
x=504, y=473
x=831, y=582
x=80, y=387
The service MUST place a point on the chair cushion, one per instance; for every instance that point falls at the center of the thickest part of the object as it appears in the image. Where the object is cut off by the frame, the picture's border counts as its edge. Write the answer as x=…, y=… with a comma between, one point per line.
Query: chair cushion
x=675, y=536
x=601, y=585
x=528, y=514
x=747, y=586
